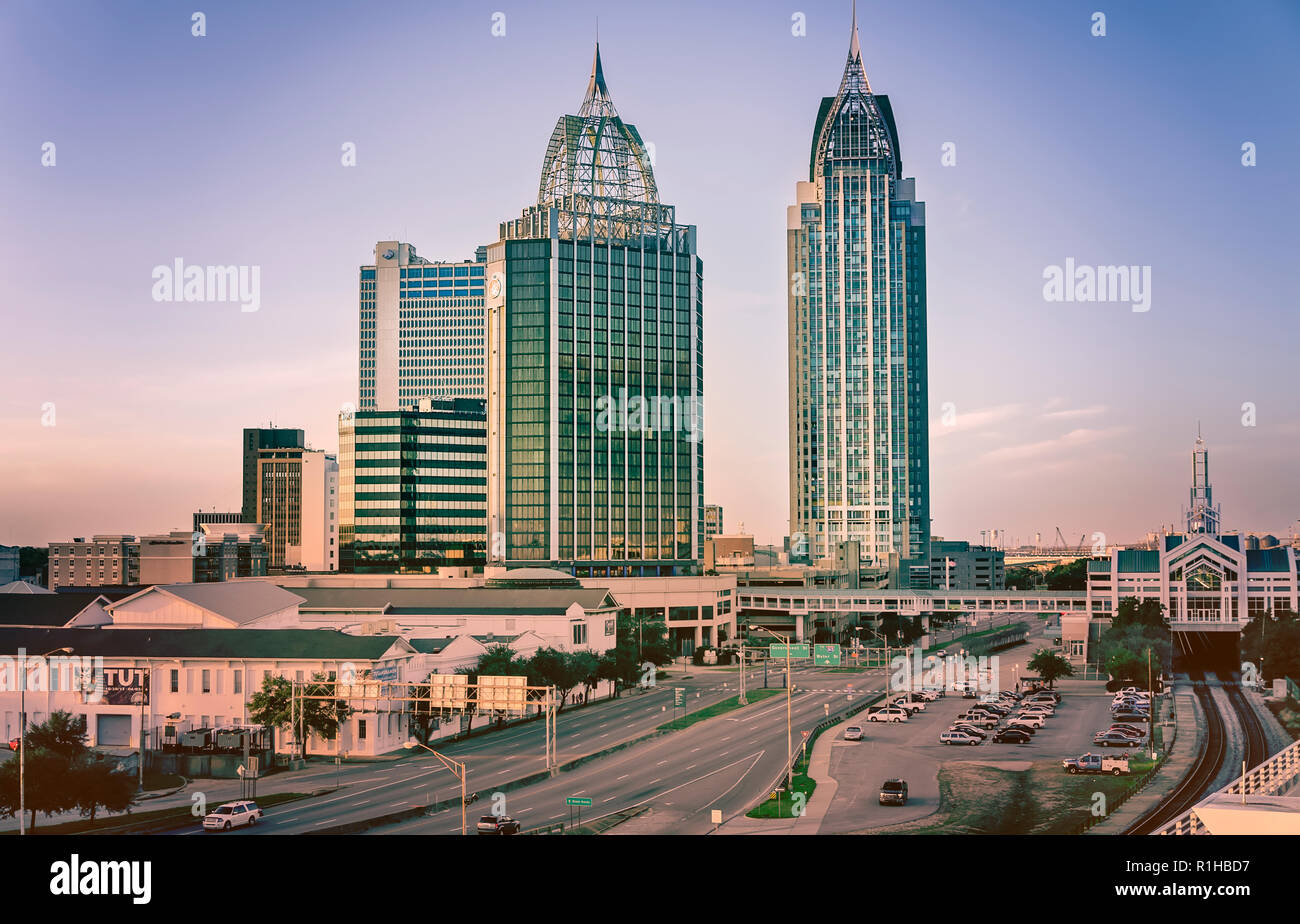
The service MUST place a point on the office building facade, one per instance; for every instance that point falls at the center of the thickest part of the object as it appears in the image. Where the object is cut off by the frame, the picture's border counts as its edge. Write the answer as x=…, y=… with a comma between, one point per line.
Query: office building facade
x=255, y=440
x=297, y=496
x=958, y=565
x=712, y=521
x=859, y=451
x=104, y=561
x=595, y=363
x=421, y=329
x=412, y=487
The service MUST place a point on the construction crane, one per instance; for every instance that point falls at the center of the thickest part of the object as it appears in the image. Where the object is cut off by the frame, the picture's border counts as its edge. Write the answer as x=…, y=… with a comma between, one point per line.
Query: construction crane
x=1079, y=550
x=1060, y=540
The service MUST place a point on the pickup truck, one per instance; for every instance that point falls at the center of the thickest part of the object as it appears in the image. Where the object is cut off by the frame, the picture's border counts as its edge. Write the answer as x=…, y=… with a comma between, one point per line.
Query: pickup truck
x=1096, y=763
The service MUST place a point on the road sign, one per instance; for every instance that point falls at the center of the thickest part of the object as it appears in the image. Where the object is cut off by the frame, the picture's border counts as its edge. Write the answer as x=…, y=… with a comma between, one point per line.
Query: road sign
x=826, y=655
x=716, y=816
x=581, y=801
x=800, y=650
x=679, y=696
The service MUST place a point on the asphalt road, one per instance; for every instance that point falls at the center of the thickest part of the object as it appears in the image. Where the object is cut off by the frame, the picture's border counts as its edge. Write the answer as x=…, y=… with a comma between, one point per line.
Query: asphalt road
x=493, y=759
x=725, y=763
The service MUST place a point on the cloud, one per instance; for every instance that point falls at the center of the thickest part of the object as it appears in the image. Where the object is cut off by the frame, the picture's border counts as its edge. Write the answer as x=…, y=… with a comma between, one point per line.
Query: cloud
x=1074, y=440
x=968, y=421
x=1071, y=413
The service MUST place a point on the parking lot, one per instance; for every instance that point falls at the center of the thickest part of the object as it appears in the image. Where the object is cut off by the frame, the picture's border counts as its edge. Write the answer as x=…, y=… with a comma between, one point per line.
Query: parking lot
x=911, y=750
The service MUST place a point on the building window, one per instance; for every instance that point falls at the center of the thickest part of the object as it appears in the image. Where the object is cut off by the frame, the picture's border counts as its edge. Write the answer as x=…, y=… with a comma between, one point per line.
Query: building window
x=175, y=681
x=609, y=627
x=207, y=682
x=580, y=633
x=361, y=729
x=238, y=682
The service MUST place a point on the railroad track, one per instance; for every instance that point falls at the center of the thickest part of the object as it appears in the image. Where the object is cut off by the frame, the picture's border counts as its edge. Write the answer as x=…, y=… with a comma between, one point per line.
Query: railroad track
x=1200, y=781
x=1255, y=739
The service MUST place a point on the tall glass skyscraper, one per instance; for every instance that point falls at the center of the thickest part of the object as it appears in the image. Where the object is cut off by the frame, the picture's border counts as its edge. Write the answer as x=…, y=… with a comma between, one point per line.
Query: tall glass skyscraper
x=595, y=362
x=859, y=447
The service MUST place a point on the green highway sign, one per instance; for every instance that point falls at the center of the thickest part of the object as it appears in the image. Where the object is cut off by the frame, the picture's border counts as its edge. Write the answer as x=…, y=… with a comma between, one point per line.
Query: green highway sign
x=581, y=801
x=826, y=655
x=800, y=650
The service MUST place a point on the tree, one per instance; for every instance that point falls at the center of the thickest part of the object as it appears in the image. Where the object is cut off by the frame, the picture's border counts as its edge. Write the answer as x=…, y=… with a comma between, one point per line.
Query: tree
x=1274, y=637
x=1021, y=579
x=498, y=661
x=62, y=733
x=97, y=784
x=274, y=705
x=1132, y=612
x=1069, y=576
x=648, y=637
x=48, y=785
x=1050, y=666
x=563, y=670
x=620, y=666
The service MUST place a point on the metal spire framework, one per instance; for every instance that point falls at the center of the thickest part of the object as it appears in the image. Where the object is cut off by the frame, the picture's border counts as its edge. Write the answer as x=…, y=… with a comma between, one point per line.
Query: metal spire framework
x=856, y=127
x=597, y=172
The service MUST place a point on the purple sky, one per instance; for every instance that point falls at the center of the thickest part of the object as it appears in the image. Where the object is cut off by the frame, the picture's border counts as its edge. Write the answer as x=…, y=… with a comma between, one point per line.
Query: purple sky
x=225, y=149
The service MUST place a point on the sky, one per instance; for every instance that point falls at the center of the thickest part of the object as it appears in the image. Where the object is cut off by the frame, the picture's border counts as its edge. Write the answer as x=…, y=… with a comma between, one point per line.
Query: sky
x=123, y=414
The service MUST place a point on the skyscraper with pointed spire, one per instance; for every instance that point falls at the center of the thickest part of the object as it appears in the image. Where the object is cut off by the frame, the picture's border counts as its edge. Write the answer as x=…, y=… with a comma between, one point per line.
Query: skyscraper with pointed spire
x=595, y=362
x=1202, y=513
x=859, y=446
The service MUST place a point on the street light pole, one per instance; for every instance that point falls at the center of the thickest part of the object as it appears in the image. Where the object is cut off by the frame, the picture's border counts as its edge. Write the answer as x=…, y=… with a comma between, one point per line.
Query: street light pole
x=457, y=767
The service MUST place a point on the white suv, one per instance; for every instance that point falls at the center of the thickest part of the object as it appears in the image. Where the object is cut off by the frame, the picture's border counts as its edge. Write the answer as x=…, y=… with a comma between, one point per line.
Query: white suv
x=232, y=815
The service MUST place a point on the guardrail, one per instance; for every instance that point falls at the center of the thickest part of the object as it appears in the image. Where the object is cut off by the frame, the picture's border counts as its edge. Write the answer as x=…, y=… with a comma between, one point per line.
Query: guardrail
x=1268, y=779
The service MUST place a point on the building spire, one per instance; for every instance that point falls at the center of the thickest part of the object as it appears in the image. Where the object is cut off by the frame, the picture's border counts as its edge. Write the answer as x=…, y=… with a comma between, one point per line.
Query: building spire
x=855, y=47
x=597, y=101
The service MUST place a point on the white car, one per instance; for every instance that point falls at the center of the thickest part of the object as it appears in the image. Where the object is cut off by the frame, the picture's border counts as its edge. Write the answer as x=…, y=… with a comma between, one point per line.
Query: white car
x=232, y=815
x=958, y=737
x=853, y=733
x=887, y=714
x=1030, y=719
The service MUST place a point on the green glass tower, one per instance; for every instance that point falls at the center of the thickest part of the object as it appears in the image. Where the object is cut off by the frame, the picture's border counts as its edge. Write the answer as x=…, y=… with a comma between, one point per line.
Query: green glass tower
x=859, y=446
x=595, y=363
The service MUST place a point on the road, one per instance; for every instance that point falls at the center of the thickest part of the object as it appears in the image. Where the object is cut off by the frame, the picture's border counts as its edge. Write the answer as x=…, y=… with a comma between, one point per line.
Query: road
x=493, y=759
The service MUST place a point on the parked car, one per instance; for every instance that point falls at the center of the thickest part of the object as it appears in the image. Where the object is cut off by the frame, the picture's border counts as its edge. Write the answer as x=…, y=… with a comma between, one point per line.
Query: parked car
x=958, y=737
x=1096, y=763
x=1123, y=726
x=493, y=824
x=1016, y=723
x=969, y=729
x=1131, y=716
x=980, y=720
x=232, y=815
x=893, y=792
x=1135, y=736
x=886, y=714
x=1110, y=739
x=1038, y=709
x=1029, y=718
x=1012, y=735
x=853, y=733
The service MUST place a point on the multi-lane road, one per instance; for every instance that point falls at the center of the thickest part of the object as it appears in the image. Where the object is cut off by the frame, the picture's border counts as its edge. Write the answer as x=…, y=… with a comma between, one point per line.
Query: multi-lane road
x=699, y=764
